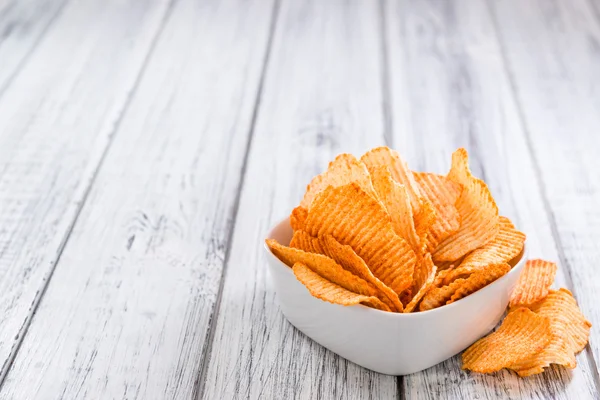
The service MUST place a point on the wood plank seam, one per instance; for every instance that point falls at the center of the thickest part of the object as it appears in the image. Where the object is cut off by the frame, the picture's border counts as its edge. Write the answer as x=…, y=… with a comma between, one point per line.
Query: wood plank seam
x=199, y=384
x=388, y=123
x=25, y=59
x=46, y=281
x=537, y=172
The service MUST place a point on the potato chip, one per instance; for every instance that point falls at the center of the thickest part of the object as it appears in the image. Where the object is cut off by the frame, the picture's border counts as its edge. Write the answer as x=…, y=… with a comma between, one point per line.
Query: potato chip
x=522, y=334
x=303, y=241
x=570, y=330
x=533, y=284
x=444, y=265
x=324, y=266
x=356, y=219
x=479, y=279
x=326, y=290
x=341, y=171
x=561, y=305
x=298, y=218
x=347, y=258
x=477, y=209
x=386, y=157
x=423, y=279
x=442, y=193
x=396, y=201
x=440, y=276
x=439, y=296
x=507, y=244
x=424, y=225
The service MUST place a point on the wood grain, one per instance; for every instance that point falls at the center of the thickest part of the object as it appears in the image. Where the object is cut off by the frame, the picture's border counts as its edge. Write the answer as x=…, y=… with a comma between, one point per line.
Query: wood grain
x=23, y=24
x=56, y=120
x=552, y=52
x=449, y=90
x=322, y=96
x=128, y=307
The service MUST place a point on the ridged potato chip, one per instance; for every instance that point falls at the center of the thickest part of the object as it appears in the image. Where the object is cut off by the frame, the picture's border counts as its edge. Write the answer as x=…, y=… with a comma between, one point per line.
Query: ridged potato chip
x=347, y=258
x=396, y=201
x=328, y=291
x=423, y=280
x=477, y=209
x=386, y=157
x=442, y=193
x=298, y=218
x=570, y=329
x=522, y=334
x=507, y=244
x=440, y=276
x=424, y=225
x=356, y=219
x=324, y=266
x=533, y=284
x=341, y=171
x=439, y=296
x=303, y=241
x=479, y=279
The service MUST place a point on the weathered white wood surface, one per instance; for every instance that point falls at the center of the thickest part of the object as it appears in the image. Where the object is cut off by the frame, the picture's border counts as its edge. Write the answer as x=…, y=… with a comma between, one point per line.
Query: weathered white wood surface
x=23, y=24
x=449, y=89
x=127, y=310
x=322, y=96
x=552, y=52
x=56, y=119
x=161, y=140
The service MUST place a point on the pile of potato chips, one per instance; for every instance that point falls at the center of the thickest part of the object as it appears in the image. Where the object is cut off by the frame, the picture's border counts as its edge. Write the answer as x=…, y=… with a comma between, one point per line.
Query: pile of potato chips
x=371, y=231
x=543, y=327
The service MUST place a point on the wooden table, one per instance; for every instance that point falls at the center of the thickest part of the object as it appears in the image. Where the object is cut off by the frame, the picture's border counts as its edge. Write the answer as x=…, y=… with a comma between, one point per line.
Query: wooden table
x=146, y=147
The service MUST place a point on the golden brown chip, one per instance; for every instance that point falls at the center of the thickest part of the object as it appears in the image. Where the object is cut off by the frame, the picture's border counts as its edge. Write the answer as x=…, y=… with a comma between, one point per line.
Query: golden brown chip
x=424, y=225
x=522, y=334
x=479, y=279
x=439, y=296
x=303, y=241
x=533, y=284
x=570, y=330
x=477, y=209
x=347, y=258
x=507, y=244
x=557, y=352
x=442, y=193
x=326, y=290
x=423, y=280
x=444, y=265
x=356, y=219
x=396, y=201
x=561, y=305
x=324, y=266
x=298, y=218
x=440, y=276
x=386, y=157
x=341, y=171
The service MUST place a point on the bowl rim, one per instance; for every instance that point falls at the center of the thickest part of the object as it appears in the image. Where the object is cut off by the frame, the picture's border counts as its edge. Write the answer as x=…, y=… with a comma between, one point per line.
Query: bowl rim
x=516, y=268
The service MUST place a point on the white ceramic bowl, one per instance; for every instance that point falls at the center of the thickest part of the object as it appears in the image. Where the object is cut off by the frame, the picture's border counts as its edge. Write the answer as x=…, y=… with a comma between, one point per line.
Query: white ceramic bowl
x=389, y=343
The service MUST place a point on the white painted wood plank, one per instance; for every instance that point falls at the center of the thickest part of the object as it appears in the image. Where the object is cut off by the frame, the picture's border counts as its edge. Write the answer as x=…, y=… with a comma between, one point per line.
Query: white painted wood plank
x=23, y=23
x=127, y=310
x=56, y=120
x=449, y=89
x=322, y=96
x=553, y=56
